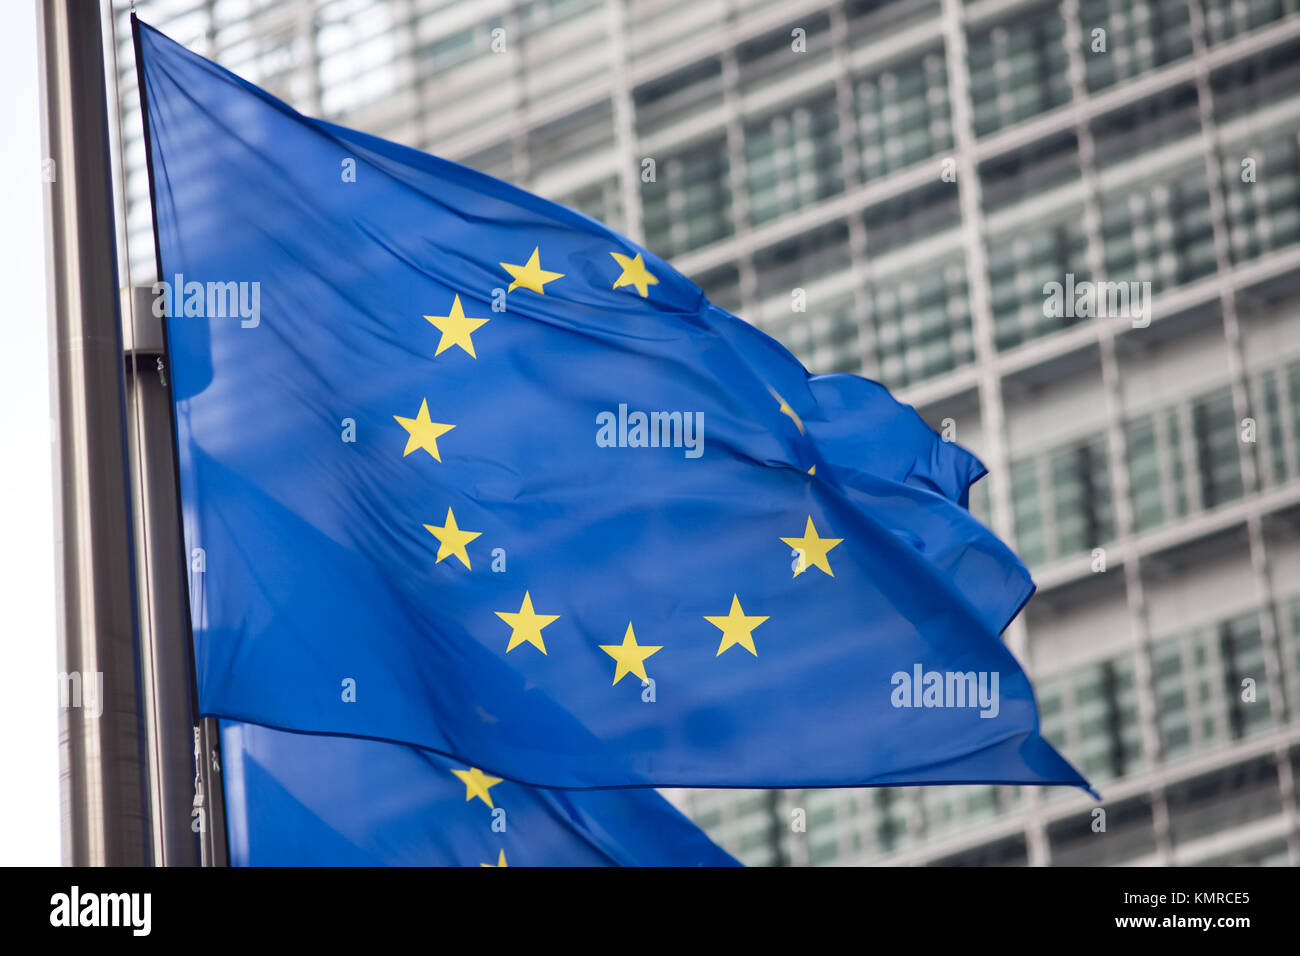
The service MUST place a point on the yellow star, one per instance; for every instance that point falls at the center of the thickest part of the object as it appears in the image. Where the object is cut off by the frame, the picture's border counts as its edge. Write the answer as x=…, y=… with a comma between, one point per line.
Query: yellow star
x=452, y=540
x=634, y=273
x=787, y=410
x=423, y=433
x=456, y=329
x=812, y=470
x=526, y=625
x=630, y=656
x=736, y=627
x=501, y=860
x=530, y=275
x=812, y=550
x=477, y=784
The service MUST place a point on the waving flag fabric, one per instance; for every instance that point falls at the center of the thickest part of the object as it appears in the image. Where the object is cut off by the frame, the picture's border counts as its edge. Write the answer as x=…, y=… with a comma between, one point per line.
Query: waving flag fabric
x=308, y=800
x=484, y=477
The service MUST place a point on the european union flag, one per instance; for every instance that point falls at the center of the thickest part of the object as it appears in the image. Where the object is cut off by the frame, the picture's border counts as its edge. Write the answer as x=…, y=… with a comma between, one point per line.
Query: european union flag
x=468, y=471
x=308, y=800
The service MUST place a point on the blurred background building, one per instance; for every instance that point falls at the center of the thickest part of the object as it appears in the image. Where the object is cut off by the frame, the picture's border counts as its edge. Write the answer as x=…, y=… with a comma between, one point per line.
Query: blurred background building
x=920, y=169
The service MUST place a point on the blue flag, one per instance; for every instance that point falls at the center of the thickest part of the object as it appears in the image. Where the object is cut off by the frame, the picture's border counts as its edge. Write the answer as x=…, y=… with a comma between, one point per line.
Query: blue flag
x=471, y=472
x=308, y=800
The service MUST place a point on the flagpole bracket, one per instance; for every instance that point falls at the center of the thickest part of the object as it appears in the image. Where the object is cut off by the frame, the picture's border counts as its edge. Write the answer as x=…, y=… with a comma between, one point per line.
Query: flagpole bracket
x=142, y=330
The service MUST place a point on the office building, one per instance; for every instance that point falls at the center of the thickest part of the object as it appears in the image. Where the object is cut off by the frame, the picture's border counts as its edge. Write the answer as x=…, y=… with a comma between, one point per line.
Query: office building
x=890, y=188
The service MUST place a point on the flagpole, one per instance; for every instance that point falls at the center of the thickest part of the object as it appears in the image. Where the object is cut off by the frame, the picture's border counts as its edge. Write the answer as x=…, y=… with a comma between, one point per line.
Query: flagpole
x=166, y=655
x=102, y=743
x=186, y=744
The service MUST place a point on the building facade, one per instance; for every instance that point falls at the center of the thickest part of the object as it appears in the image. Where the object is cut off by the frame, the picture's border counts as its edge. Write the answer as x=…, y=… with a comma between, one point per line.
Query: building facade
x=892, y=189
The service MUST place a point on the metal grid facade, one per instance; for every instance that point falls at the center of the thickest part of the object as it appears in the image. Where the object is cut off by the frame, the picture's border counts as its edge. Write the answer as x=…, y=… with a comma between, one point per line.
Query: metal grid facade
x=915, y=172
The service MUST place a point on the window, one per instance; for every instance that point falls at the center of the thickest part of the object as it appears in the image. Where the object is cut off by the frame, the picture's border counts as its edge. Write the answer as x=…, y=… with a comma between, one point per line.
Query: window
x=1272, y=444
x=1161, y=232
x=1081, y=492
x=689, y=203
x=1199, y=685
x=1077, y=502
x=1030, y=171
x=1031, y=538
x=1241, y=650
x=1173, y=710
x=1223, y=799
x=1293, y=391
x=915, y=215
x=825, y=339
x=903, y=115
x=1226, y=19
x=1017, y=69
x=771, y=58
x=1020, y=265
x=1264, y=214
x=1144, y=467
x=922, y=323
x=666, y=101
x=601, y=201
x=1217, y=460
x=1140, y=35
x=792, y=159
x=1246, y=86
x=557, y=145
x=1051, y=713
x=1294, y=640
x=1177, y=473
x=1105, y=704
x=451, y=51
x=802, y=262
x=1136, y=130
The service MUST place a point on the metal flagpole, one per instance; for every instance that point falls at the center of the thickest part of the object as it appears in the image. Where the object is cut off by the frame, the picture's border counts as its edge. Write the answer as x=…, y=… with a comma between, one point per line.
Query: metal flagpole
x=102, y=741
x=166, y=653
x=191, y=797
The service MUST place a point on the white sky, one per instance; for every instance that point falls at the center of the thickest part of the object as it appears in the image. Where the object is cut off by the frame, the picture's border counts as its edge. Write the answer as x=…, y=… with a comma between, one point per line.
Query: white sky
x=29, y=741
